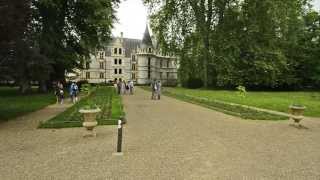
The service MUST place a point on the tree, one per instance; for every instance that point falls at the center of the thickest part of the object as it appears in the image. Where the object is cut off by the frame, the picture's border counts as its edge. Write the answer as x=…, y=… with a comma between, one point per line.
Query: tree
x=42, y=39
x=68, y=31
x=230, y=42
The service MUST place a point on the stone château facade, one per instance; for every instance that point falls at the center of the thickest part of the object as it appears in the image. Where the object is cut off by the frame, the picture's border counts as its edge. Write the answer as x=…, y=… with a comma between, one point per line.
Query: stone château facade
x=131, y=59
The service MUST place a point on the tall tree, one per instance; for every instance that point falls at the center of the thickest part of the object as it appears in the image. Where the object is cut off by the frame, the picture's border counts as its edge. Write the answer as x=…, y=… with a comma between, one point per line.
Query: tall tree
x=68, y=31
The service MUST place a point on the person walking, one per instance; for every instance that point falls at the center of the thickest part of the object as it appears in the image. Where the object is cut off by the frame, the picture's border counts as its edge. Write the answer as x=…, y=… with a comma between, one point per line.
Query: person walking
x=123, y=87
x=119, y=84
x=127, y=88
x=60, y=92
x=131, y=87
x=158, y=89
x=74, y=92
x=57, y=92
x=153, y=89
x=71, y=92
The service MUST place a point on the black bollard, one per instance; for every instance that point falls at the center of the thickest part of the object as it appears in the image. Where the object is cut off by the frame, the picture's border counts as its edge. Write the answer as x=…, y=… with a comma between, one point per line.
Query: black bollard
x=119, y=146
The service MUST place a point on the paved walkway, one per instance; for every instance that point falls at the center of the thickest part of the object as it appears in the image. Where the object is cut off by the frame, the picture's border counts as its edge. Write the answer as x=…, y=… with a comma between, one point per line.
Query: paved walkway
x=166, y=139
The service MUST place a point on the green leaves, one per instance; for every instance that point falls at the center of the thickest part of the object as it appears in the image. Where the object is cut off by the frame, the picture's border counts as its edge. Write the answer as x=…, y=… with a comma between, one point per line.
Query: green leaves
x=260, y=44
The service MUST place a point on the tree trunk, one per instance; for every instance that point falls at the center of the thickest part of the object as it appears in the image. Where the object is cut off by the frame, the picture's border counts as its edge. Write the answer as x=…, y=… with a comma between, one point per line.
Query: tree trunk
x=43, y=86
x=205, y=62
x=24, y=86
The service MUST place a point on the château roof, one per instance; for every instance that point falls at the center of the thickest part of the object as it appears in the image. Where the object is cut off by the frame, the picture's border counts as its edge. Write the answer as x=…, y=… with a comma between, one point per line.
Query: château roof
x=146, y=40
x=128, y=44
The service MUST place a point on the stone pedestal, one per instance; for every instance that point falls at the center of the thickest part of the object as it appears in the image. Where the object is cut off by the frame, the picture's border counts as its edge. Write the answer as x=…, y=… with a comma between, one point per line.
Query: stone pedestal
x=90, y=121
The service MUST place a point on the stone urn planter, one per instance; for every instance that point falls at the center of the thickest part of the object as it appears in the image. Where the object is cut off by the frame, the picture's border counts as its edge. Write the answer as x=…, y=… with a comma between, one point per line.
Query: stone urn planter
x=89, y=120
x=297, y=112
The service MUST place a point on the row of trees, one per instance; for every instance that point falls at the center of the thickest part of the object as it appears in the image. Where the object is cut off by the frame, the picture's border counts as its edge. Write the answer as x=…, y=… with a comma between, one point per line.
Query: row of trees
x=42, y=39
x=254, y=43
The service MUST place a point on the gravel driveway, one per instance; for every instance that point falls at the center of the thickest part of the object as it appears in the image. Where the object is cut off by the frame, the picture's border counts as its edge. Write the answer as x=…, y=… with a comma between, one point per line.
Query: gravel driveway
x=166, y=139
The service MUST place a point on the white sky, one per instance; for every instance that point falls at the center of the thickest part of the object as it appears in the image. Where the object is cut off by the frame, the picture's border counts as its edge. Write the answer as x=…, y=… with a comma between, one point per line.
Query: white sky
x=316, y=4
x=132, y=16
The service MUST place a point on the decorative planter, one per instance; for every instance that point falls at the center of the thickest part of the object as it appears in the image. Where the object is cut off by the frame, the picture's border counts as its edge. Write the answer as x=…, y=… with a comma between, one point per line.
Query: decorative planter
x=89, y=116
x=297, y=112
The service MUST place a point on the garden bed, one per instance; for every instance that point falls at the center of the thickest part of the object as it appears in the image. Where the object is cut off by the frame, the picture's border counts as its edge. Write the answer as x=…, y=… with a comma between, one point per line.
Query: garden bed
x=105, y=98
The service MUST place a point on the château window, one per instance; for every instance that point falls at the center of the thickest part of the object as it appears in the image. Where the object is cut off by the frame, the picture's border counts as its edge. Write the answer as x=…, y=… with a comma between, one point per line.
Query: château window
x=160, y=63
x=87, y=75
x=101, y=65
x=115, y=61
x=149, y=50
x=87, y=65
x=120, y=51
x=120, y=61
x=149, y=61
x=133, y=67
x=115, y=71
x=133, y=58
x=133, y=76
x=120, y=71
x=101, y=75
x=115, y=51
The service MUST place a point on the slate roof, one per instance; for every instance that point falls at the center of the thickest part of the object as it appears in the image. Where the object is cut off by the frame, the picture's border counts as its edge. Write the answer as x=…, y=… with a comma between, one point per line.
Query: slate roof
x=128, y=44
x=146, y=37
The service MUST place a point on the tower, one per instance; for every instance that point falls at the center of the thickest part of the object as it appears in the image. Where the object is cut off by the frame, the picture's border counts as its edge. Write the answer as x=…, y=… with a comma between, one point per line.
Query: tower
x=147, y=61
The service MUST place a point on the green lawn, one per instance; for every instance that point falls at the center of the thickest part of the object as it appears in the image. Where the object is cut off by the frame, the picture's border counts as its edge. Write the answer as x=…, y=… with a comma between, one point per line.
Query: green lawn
x=278, y=101
x=104, y=97
x=13, y=104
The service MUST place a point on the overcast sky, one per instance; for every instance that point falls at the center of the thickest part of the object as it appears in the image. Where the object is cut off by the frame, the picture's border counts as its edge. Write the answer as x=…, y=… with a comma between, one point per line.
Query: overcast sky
x=132, y=15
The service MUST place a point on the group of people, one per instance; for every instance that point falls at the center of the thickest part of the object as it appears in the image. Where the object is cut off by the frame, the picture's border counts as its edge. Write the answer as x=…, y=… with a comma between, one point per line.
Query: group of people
x=156, y=90
x=73, y=92
x=124, y=87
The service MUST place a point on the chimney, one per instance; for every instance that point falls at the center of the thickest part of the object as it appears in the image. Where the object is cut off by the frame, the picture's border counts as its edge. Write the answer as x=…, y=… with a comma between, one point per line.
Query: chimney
x=121, y=37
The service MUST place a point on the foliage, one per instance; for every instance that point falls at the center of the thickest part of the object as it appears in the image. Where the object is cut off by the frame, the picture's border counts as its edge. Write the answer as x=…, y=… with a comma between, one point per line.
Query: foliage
x=104, y=97
x=86, y=88
x=14, y=104
x=194, y=83
x=259, y=44
x=47, y=38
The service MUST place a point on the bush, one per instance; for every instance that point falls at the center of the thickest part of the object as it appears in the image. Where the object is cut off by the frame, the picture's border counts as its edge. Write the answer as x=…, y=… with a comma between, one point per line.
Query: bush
x=80, y=83
x=194, y=83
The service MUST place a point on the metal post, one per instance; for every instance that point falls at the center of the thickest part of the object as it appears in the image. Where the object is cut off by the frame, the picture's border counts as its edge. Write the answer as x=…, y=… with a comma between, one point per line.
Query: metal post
x=119, y=146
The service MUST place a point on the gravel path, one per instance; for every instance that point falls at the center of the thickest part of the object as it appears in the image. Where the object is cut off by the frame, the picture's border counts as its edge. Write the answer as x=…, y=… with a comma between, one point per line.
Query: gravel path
x=166, y=139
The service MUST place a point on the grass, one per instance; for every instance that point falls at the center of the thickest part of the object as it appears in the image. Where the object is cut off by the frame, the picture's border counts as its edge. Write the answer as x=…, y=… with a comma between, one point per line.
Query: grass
x=225, y=107
x=104, y=97
x=277, y=101
x=14, y=104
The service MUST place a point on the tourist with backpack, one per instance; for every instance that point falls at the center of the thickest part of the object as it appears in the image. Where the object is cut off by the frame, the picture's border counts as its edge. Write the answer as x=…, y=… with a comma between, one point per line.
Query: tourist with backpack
x=74, y=90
